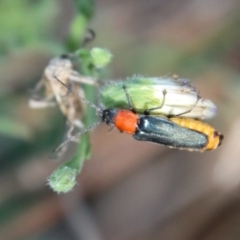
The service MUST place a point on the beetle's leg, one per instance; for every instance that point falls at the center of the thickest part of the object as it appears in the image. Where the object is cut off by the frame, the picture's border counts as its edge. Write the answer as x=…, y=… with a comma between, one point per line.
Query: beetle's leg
x=128, y=99
x=147, y=111
x=180, y=114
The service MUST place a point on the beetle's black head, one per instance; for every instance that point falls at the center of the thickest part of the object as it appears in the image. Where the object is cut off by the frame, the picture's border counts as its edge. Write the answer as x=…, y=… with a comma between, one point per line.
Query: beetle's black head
x=108, y=116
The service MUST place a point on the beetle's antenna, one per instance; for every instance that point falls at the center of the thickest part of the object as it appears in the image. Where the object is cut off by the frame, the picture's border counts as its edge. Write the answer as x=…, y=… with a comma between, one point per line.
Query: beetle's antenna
x=76, y=135
x=98, y=109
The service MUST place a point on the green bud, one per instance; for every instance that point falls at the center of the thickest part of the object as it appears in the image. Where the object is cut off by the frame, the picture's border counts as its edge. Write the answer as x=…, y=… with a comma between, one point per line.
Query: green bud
x=63, y=179
x=141, y=94
x=101, y=57
x=147, y=93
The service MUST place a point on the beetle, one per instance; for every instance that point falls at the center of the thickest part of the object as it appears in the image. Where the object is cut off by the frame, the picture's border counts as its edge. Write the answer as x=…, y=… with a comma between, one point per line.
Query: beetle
x=171, y=132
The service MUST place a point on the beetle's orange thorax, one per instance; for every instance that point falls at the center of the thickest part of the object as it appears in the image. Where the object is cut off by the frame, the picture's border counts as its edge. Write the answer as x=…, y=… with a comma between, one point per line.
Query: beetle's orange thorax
x=126, y=121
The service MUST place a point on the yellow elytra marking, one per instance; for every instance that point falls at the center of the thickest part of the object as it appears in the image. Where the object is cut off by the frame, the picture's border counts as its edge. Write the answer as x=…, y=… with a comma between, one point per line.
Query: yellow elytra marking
x=214, y=137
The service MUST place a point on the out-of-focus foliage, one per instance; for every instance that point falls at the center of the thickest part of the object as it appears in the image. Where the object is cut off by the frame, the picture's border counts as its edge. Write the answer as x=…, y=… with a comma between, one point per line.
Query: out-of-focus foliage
x=85, y=7
x=23, y=23
x=23, y=29
x=84, y=10
x=13, y=128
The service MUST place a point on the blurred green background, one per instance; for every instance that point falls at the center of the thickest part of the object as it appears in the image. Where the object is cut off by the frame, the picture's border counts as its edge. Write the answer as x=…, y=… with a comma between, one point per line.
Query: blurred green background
x=128, y=190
